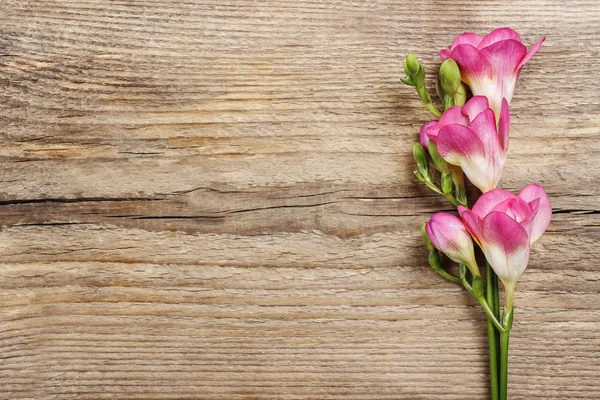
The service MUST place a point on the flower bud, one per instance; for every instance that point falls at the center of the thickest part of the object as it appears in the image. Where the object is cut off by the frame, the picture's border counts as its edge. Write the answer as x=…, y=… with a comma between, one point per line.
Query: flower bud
x=449, y=76
x=449, y=235
x=460, y=97
x=411, y=65
x=447, y=183
x=415, y=76
x=422, y=160
x=438, y=88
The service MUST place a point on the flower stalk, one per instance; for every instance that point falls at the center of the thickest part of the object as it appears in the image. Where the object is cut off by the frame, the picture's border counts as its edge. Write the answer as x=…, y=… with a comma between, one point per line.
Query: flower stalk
x=491, y=296
x=470, y=139
x=507, y=320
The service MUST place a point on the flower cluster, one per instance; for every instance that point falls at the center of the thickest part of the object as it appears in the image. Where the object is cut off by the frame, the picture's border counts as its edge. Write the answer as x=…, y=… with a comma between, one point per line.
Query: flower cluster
x=472, y=137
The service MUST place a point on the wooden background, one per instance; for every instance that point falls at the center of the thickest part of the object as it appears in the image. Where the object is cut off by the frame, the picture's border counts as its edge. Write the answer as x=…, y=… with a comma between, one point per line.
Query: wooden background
x=214, y=200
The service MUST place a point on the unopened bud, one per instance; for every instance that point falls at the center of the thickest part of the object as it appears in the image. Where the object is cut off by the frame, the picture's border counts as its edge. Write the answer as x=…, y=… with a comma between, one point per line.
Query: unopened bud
x=449, y=76
x=422, y=160
x=415, y=76
x=447, y=183
x=460, y=97
x=438, y=88
x=411, y=65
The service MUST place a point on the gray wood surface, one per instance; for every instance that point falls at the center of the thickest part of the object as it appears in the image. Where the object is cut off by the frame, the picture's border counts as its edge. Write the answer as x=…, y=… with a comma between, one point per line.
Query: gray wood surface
x=214, y=200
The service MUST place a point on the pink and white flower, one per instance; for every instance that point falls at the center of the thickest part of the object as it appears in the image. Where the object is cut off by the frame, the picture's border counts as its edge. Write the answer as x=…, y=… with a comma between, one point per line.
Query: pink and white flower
x=468, y=137
x=505, y=225
x=449, y=235
x=491, y=65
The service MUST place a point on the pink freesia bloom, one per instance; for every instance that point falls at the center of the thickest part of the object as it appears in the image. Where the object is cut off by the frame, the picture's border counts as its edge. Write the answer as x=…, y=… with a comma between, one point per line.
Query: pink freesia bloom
x=467, y=136
x=491, y=65
x=505, y=225
x=449, y=235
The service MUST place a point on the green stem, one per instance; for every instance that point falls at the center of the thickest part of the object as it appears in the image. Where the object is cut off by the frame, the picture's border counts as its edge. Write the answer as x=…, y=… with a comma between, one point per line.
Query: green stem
x=433, y=109
x=490, y=314
x=426, y=99
x=492, y=339
x=496, y=307
x=507, y=319
x=449, y=276
x=452, y=199
x=486, y=307
x=429, y=183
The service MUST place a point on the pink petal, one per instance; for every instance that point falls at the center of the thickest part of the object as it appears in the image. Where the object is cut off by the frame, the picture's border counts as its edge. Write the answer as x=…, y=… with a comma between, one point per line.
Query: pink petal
x=504, y=57
x=423, y=138
x=504, y=125
x=500, y=230
x=498, y=35
x=527, y=223
x=484, y=125
x=472, y=222
x=457, y=143
x=475, y=106
x=519, y=210
x=481, y=163
x=530, y=53
x=544, y=214
x=488, y=201
x=454, y=115
x=467, y=38
x=473, y=65
x=505, y=244
x=445, y=54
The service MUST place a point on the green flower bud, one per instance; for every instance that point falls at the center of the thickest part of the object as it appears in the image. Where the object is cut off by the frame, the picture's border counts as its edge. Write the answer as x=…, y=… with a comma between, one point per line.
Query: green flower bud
x=447, y=183
x=415, y=76
x=411, y=65
x=422, y=160
x=460, y=97
x=438, y=88
x=449, y=76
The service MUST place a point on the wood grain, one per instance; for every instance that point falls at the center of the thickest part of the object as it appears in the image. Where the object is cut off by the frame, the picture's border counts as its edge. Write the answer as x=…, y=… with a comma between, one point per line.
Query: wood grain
x=214, y=200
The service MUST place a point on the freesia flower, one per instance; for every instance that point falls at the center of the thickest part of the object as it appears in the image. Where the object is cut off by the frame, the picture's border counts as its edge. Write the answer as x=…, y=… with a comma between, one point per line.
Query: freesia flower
x=491, y=65
x=449, y=235
x=505, y=225
x=467, y=136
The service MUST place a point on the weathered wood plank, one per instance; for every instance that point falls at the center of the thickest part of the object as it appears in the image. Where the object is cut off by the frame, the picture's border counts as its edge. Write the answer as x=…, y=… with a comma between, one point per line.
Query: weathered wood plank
x=214, y=200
